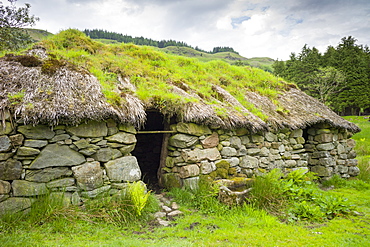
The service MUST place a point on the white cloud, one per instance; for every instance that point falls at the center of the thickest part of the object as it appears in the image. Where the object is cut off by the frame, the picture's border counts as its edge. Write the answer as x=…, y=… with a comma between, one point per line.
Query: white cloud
x=272, y=28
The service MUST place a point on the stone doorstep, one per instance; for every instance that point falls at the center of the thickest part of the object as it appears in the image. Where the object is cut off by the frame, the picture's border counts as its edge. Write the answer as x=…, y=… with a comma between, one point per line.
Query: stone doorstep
x=170, y=209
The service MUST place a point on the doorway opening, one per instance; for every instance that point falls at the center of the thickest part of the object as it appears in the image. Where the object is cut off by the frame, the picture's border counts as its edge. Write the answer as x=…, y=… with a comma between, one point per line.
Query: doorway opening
x=151, y=149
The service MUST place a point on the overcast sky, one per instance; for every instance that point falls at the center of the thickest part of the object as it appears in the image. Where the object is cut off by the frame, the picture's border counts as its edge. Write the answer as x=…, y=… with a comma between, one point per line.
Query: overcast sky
x=254, y=28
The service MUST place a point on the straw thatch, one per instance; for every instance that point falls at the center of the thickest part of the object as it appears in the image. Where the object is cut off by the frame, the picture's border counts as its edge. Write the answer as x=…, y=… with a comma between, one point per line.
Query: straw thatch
x=67, y=96
x=71, y=95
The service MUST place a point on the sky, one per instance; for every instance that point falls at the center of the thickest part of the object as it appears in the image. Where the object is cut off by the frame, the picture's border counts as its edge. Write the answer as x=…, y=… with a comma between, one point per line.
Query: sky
x=254, y=28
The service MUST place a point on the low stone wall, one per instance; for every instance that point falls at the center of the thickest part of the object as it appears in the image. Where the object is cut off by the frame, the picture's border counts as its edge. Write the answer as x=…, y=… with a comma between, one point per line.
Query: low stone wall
x=94, y=158
x=199, y=150
x=81, y=161
x=331, y=152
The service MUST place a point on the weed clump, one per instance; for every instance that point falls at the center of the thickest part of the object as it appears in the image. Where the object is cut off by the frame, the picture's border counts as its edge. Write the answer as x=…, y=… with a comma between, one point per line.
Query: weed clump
x=25, y=60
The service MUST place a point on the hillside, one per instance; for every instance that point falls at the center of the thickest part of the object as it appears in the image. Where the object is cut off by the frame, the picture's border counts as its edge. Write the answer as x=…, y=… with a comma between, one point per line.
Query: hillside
x=232, y=58
x=38, y=34
x=263, y=63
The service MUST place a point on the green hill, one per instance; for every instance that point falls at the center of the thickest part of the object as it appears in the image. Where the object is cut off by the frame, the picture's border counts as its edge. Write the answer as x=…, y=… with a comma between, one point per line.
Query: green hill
x=264, y=63
x=38, y=34
x=232, y=58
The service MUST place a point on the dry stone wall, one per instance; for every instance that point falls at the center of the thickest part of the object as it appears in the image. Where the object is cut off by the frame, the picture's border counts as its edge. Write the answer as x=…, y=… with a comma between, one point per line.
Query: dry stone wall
x=198, y=150
x=81, y=161
x=95, y=157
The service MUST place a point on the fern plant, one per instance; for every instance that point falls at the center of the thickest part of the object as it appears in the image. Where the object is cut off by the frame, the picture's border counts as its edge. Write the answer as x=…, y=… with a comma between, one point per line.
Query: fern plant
x=138, y=196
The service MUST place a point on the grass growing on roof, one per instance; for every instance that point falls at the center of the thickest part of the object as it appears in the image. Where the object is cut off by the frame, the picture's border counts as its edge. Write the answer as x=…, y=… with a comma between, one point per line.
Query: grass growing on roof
x=155, y=73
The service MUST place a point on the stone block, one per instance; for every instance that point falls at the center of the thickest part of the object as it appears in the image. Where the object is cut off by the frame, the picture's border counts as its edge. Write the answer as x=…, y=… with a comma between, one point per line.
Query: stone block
x=189, y=171
x=106, y=154
x=90, y=129
x=352, y=154
x=126, y=149
x=324, y=138
x=191, y=183
x=290, y=163
x=242, y=151
x=127, y=128
x=47, y=174
x=245, y=140
x=341, y=149
x=197, y=155
x=257, y=138
x=14, y=204
x=27, y=151
x=124, y=169
x=302, y=163
x=25, y=188
x=207, y=167
x=352, y=162
x=172, y=180
x=225, y=143
x=300, y=140
x=323, y=130
x=61, y=183
x=89, y=176
x=96, y=192
x=36, y=132
x=57, y=155
x=193, y=129
x=351, y=143
x=5, y=130
x=353, y=171
x=241, y=131
x=342, y=169
x=321, y=154
x=60, y=137
x=228, y=152
x=122, y=137
x=4, y=187
x=5, y=156
x=234, y=161
x=325, y=146
x=5, y=144
x=235, y=142
x=296, y=133
x=35, y=143
x=270, y=137
x=10, y=170
x=253, y=151
x=249, y=162
x=327, y=161
x=297, y=146
x=292, y=141
x=295, y=157
x=322, y=171
x=182, y=140
x=211, y=141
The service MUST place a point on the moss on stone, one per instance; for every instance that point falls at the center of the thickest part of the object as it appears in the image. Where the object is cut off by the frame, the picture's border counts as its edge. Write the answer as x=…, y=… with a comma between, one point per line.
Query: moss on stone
x=232, y=171
x=171, y=180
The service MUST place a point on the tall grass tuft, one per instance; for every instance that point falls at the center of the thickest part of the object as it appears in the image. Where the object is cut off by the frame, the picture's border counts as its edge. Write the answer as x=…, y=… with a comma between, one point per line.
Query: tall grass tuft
x=268, y=192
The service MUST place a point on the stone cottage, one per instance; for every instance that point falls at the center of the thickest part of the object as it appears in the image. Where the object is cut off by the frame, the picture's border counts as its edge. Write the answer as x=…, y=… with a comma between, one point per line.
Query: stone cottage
x=59, y=134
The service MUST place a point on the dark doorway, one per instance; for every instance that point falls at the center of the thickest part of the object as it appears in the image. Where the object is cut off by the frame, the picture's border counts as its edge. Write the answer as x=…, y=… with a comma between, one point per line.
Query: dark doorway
x=148, y=149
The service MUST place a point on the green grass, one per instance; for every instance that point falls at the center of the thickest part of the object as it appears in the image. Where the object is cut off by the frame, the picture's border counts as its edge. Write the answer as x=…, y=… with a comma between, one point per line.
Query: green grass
x=244, y=226
x=154, y=73
x=362, y=145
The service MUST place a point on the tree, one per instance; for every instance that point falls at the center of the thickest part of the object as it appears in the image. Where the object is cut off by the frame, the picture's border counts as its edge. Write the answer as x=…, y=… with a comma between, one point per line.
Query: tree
x=12, y=22
x=325, y=83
